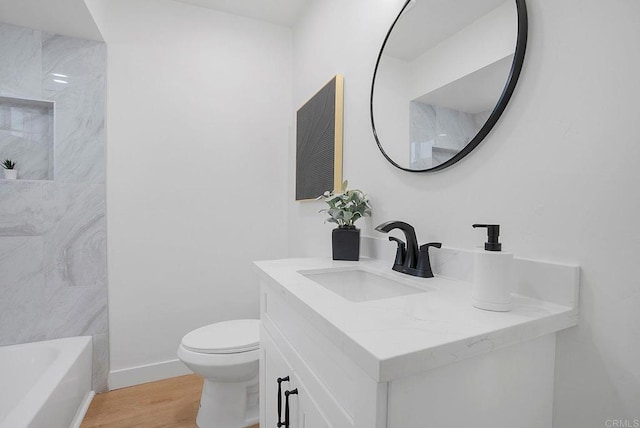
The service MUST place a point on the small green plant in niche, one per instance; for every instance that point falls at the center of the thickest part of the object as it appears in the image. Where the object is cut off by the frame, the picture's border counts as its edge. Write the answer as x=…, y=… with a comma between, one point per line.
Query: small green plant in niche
x=10, y=171
x=346, y=206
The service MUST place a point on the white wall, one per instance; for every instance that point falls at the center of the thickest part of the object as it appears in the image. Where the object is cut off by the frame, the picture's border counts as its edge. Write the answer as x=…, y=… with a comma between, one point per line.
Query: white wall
x=559, y=172
x=199, y=116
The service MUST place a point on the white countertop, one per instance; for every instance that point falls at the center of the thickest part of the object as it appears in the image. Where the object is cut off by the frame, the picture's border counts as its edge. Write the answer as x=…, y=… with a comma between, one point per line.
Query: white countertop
x=400, y=336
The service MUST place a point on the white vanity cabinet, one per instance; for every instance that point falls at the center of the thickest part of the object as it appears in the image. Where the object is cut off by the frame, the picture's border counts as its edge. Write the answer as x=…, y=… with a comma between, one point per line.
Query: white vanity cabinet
x=400, y=362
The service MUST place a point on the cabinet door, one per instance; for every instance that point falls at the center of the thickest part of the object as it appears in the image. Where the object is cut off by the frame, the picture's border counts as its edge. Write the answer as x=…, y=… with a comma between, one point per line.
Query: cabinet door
x=274, y=367
x=309, y=416
x=303, y=411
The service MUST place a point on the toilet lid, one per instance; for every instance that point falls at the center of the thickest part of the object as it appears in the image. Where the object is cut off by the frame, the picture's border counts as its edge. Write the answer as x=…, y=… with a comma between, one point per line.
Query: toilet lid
x=228, y=337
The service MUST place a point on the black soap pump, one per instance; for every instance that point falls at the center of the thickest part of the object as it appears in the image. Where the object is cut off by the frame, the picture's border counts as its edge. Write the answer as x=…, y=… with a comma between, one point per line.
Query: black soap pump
x=493, y=232
x=492, y=273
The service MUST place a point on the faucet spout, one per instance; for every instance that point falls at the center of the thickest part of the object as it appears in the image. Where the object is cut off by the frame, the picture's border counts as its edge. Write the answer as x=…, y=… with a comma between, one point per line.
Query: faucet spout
x=411, y=256
x=412, y=261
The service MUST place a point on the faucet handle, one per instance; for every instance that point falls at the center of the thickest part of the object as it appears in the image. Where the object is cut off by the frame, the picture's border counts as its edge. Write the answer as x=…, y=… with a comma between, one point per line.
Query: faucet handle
x=401, y=252
x=425, y=247
x=424, y=264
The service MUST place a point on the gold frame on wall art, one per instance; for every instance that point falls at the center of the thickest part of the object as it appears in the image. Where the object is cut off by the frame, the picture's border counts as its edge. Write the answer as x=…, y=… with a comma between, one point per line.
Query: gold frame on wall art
x=319, y=140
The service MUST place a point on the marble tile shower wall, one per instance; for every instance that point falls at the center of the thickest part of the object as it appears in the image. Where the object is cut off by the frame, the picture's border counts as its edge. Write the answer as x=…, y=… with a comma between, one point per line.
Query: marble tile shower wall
x=445, y=130
x=53, y=276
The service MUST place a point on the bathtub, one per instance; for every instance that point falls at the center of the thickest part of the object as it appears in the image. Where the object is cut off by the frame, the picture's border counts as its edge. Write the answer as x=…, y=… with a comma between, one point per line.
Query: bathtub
x=45, y=384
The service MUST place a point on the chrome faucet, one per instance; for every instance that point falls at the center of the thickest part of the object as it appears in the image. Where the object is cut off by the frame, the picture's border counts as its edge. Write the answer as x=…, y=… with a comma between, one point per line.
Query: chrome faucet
x=410, y=258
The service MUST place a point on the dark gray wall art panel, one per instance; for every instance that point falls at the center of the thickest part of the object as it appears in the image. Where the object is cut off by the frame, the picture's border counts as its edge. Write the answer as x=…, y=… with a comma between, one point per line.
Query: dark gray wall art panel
x=319, y=142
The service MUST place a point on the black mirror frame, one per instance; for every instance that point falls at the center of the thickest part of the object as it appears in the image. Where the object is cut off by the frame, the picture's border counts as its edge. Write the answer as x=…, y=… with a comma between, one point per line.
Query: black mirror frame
x=514, y=74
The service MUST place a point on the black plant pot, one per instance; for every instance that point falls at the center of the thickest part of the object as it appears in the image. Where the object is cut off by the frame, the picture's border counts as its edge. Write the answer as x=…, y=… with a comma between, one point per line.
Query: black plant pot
x=346, y=243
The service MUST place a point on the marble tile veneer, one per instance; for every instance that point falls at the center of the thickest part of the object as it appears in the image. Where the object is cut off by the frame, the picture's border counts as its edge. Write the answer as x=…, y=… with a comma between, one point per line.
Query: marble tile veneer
x=22, y=295
x=21, y=61
x=21, y=210
x=439, y=129
x=80, y=134
x=75, y=241
x=53, y=233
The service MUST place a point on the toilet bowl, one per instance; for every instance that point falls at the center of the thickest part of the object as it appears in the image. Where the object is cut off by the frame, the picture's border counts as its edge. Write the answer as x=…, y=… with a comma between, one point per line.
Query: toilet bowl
x=226, y=355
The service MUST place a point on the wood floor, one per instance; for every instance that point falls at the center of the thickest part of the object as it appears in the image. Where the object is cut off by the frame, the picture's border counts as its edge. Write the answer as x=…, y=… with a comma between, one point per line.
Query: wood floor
x=170, y=403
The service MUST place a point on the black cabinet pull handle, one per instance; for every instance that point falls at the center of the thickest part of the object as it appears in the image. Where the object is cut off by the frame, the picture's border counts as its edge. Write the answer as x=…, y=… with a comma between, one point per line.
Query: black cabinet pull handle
x=280, y=380
x=286, y=405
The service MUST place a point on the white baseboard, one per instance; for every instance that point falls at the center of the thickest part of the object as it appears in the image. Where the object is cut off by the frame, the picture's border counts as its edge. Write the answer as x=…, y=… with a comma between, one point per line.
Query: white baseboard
x=146, y=373
x=82, y=410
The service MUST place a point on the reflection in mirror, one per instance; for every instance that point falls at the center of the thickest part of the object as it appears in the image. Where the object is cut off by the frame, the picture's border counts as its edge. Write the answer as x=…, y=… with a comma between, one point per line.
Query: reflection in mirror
x=441, y=74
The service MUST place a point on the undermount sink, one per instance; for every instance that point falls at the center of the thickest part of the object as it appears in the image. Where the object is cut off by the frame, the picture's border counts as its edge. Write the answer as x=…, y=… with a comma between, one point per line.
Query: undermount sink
x=360, y=285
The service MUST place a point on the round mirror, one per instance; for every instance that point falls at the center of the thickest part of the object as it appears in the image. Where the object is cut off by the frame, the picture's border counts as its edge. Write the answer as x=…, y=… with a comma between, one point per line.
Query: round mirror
x=444, y=75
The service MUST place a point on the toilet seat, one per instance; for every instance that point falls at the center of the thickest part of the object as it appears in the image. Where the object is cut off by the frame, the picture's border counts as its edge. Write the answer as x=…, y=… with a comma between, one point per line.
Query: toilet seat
x=228, y=337
x=200, y=362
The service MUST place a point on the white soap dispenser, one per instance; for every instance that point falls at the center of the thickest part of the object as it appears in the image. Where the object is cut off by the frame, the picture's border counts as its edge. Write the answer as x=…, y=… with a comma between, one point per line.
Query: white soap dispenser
x=492, y=273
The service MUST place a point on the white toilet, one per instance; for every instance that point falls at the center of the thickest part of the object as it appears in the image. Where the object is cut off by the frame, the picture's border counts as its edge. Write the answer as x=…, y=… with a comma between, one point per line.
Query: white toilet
x=226, y=355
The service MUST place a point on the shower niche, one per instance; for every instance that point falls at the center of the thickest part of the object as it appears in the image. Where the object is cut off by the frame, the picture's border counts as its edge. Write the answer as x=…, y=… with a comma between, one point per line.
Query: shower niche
x=27, y=136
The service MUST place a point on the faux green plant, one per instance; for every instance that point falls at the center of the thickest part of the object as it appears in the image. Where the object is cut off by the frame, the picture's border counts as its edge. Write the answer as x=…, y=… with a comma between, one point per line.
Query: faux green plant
x=346, y=206
x=8, y=164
